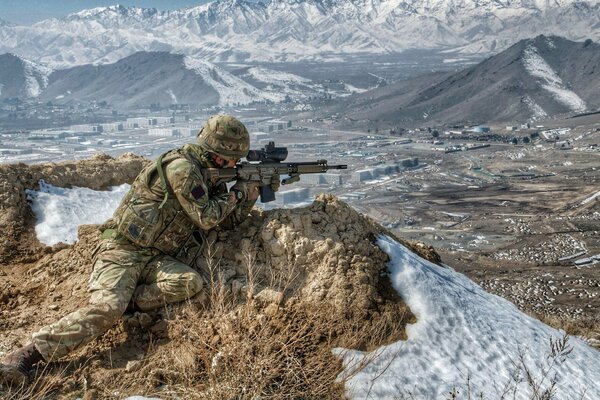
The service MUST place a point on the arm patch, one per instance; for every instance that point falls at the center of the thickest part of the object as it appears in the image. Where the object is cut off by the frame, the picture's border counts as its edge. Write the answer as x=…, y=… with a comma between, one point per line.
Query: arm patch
x=198, y=192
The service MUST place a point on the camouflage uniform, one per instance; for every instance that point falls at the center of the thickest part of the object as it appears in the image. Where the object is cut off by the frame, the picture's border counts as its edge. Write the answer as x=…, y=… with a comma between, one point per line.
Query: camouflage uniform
x=155, y=233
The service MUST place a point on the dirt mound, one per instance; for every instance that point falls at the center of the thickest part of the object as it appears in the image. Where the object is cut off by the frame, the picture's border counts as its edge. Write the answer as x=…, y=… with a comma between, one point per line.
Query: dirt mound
x=17, y=239
x=286, y=287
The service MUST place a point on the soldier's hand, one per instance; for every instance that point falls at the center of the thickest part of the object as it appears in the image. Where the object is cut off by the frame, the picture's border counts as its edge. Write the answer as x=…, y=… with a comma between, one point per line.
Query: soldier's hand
x=245, y=190
x=275, y=182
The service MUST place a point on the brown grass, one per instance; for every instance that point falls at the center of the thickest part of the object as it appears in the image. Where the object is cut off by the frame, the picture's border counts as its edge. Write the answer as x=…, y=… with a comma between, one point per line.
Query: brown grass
x=225, y=348
x=588, y=328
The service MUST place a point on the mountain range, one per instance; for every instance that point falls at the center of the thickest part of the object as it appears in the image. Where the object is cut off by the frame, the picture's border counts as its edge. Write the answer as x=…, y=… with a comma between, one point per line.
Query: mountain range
x=533, y=79
x=291, y=30
x=144, y=78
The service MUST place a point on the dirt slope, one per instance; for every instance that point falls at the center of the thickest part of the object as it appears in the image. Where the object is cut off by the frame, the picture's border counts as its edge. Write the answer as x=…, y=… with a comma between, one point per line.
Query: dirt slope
x=285, y=288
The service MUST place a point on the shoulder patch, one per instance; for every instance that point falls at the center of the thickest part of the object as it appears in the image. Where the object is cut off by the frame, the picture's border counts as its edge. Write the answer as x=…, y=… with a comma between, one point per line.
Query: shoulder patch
x=197, y=192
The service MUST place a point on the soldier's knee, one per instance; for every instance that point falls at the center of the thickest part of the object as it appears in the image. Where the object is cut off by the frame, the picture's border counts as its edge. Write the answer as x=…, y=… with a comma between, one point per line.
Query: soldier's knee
x=192, y=283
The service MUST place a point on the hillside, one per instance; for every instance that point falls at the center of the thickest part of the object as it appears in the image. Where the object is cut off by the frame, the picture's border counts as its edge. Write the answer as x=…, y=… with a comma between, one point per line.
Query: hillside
x=533, y=79
x=20, y=78
x=312, y=303
x=146, y=78
x=317, y=270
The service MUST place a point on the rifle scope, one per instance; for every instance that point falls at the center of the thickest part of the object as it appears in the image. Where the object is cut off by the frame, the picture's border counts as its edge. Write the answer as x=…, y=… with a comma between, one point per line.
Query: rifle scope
x=269, y=153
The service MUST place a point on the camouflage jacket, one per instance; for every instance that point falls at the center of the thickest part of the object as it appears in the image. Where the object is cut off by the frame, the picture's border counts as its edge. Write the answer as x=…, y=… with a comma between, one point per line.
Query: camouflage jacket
x=170, y=201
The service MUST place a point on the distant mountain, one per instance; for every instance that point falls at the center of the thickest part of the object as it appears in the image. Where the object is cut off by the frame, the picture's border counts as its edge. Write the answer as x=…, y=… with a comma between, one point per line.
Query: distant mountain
x=151, y=77
x=291, y=30
x=21, y=78
x=532, y=79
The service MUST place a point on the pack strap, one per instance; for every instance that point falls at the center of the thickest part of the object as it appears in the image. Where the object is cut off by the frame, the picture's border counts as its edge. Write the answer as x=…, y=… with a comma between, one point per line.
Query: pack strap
x=165, y=184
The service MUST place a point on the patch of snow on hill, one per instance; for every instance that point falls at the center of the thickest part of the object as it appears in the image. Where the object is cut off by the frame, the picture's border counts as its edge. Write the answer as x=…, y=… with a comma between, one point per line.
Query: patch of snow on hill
x=276, y=77
x=535, y=108
x=539, y=68
x=232, y=90
x=36, y=77
x=465, y=339
x=60, y=211
x=172, y=95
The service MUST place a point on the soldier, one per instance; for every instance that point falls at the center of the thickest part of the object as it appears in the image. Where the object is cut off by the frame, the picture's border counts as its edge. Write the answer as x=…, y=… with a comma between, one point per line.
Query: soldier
x=147, y=246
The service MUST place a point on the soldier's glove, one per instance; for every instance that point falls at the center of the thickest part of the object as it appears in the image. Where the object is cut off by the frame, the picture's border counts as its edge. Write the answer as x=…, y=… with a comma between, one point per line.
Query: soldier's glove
x=245, y=190
x=275, y=182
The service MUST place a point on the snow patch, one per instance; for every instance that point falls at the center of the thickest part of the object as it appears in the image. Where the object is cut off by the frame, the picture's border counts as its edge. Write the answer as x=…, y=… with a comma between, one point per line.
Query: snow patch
x=231, y=89
x=60, y=211
x=172, y=95
x=463, y=336
x=276, y=77
x=538, y=67
x=591, y=198
x=36, y=77
x=537, y=111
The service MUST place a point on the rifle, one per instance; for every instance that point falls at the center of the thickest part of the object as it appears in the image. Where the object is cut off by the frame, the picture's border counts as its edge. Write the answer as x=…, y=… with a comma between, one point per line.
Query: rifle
x=262, y=164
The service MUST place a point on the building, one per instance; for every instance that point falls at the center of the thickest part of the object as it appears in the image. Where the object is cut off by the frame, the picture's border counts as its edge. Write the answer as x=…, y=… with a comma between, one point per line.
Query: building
x=187, y=131
x=86, y=128
x=112, y=127
x=256, y=137
x=164, y=120
x=142, y=122
x=48, y=135
x=409, y=162
x=292, y=196
x=362, y=175
x=164, y=132
x=15, y=152
x=322, y=179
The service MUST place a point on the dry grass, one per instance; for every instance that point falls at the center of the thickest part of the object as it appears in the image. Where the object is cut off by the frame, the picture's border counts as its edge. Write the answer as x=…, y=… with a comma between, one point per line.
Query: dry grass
x=588, y=328
x=223, y=347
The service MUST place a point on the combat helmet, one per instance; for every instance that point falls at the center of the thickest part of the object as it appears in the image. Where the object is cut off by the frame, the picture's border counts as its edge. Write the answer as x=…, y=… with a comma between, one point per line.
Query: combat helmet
x=225, y=136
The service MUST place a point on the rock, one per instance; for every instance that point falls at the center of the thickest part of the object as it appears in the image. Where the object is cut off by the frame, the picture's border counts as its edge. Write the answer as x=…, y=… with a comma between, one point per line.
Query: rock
x=268, y=296
x=161, y=328
x=144, y=319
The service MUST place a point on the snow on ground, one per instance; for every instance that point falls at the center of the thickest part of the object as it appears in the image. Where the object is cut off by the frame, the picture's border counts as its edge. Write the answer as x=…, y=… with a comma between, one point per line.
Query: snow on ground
x=36, y=77
x=231, y=89
x=465, y=339
x=277, y=77
x=60, y=211
x=591, y=198
x=539, y=68
x=535, y=108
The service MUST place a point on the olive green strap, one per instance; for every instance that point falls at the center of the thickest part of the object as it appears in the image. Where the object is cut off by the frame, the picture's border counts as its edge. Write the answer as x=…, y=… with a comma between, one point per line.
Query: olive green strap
x=165, y=184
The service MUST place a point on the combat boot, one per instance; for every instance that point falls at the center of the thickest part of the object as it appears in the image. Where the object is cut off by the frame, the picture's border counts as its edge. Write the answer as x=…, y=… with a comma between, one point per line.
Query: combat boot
x=15, y=367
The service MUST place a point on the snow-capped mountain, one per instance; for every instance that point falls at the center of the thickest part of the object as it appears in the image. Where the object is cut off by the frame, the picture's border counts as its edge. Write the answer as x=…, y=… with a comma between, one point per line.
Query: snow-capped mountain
x=21, y=78
x=533, y=79
x=145, y=78
x=290, y=30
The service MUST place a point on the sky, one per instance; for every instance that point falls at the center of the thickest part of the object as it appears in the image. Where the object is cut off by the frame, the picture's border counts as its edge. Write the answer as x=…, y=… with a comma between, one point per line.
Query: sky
x=465, y=339
x=30, y=11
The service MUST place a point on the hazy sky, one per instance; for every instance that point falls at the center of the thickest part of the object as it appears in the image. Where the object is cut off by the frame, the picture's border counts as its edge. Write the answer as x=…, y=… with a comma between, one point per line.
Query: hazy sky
x=30, y=11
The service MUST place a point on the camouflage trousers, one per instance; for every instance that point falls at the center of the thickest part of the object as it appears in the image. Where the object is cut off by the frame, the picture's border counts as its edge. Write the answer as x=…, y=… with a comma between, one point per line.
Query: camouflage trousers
x=122, y=272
